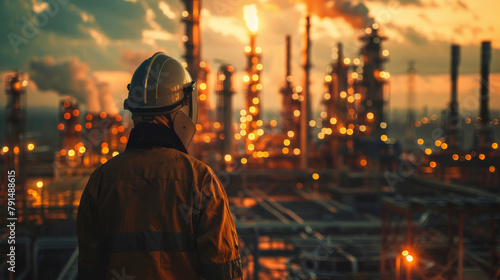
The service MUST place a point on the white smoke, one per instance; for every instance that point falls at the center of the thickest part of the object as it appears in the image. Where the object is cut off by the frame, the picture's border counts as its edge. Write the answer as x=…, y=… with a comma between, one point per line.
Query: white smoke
x=72, y=77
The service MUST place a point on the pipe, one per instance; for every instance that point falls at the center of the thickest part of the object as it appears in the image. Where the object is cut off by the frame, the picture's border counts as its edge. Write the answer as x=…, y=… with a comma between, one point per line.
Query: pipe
x=453, y=117
x=485, y=73
x=305, y=115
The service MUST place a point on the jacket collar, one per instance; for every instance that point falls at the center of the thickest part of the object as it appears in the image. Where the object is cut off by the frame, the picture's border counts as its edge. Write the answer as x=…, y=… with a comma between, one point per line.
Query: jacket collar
x=150, y=135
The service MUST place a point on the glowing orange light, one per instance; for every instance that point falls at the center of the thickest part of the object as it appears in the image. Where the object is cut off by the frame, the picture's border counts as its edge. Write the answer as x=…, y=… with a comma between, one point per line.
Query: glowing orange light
x=31, y=147
x=455, y=157
x=78, y=127
x=428, y=151
x=285, y=150
x=66, y=104
x=16, y=150
x=482, y=156
x=88, y=125
x=494, y=146
x=76, y=113
x=405, y=253
x=123, y=139
x=121, y=128
x=62, y=152
x=274, y=123
x=383, y=138
x=492, y=169
x=105, y=150
x=468, y=157
x=370, y=116
x=118, y=118
x=227, y=157
x=103, y=160
x=363, y=162
x=67, y=116
x=315, y=176
x=432, y=164
x=103, y=115
x=244, y=161
x=89, y=117
x=250, y=16
x=444, y=146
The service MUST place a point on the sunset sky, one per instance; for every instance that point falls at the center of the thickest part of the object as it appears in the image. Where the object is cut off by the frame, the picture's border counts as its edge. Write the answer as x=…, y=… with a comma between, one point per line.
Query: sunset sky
x=80, y=46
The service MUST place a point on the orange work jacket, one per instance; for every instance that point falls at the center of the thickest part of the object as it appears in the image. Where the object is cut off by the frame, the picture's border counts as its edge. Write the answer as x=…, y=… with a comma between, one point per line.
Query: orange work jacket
x=156, y=214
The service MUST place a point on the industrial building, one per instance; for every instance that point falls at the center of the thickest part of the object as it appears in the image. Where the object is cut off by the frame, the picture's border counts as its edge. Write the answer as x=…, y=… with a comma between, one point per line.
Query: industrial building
x=333, y=197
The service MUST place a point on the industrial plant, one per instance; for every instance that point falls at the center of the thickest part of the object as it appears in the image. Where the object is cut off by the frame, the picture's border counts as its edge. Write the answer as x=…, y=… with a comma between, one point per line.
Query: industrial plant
x=327, y=194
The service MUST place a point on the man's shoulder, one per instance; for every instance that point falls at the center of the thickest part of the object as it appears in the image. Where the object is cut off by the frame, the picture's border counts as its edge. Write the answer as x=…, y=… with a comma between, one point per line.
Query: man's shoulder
x=158, y=156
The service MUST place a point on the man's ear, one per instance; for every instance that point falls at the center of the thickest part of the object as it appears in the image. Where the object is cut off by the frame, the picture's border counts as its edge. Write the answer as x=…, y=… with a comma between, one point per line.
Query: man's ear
x=128, y=86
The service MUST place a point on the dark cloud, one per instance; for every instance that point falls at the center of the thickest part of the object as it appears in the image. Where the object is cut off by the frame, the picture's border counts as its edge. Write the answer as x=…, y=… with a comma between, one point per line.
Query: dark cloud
x=402, y=2
x=62, y=19
x=117, y=19
x=357, y=15
x=462, y=5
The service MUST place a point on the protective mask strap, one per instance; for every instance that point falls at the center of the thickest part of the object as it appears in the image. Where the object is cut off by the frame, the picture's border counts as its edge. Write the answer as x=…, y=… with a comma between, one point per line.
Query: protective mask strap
x=183, y=127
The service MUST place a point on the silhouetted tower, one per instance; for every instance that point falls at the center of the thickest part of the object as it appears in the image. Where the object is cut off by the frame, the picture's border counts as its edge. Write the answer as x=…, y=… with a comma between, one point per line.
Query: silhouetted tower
x=452, y=122
x=291, y=101
x=203, y=96
x=410, y=131
x=331, y=96
x=192, y=43
x=69, y=124
x=374, y=79
x=15, y=134
x=485, y=134
x=253, y=87
x=341, y=84
x=305, y=112
x=224, y=117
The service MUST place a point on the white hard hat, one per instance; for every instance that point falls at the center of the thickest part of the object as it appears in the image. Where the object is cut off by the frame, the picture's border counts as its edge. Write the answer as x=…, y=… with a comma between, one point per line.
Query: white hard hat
x=161, y=86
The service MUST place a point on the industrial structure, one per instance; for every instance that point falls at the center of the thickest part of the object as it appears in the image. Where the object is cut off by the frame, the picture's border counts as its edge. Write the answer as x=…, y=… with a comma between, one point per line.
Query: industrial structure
x=328, y=197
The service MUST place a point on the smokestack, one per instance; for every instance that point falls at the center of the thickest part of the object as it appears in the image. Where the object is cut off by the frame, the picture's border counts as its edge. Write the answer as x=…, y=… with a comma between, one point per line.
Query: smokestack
x=287, y=117
x=305, y=115
x=485, y=73
x=484, y=134
x=288, y=66
x=193, y=44
x=453, y=115
x=410, y=132
x=224, y=107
